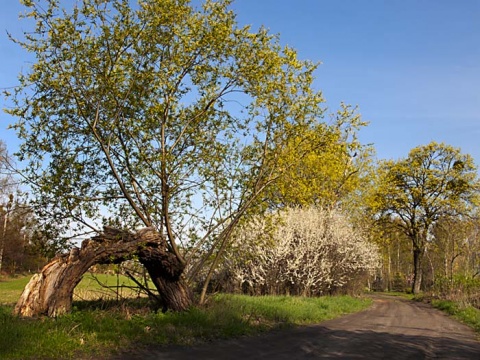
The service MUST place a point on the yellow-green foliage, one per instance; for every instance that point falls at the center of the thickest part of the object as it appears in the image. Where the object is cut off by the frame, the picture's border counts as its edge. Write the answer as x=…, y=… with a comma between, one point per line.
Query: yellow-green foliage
x=162, y=113
x=324, y=165
x=412, y=194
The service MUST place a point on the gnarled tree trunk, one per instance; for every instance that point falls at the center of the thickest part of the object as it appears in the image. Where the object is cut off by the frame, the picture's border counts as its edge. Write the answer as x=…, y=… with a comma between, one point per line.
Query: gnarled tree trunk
x=51, y=291
x=165, y=271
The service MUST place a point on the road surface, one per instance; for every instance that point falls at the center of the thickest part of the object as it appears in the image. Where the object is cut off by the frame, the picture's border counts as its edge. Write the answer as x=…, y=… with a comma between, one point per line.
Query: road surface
x=392, y=328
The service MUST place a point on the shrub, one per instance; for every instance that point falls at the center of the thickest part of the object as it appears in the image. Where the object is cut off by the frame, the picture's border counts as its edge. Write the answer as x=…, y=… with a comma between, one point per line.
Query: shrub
x=459, y=288
x=399, y=284
x=300, y=251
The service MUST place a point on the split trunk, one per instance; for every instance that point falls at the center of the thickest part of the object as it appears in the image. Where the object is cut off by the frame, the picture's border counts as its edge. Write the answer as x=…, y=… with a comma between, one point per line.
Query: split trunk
x=51, y=291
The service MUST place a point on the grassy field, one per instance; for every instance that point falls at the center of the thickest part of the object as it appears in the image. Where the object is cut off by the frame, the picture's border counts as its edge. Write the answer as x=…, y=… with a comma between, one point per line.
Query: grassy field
x=102, y=327
x=92, y=287
x=102, y=286
x=10, y=289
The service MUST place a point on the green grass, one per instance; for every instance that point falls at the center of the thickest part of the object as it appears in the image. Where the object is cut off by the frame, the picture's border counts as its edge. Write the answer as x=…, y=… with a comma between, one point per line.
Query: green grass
x=103, y=286
x=88, y=289
x=291, y=310
x=102, y=327
x=11, y=289
x=466, y=314
x=408, y=296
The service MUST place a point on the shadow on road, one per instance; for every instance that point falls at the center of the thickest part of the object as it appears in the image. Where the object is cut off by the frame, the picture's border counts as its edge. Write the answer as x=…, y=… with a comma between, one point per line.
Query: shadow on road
x=319, y=342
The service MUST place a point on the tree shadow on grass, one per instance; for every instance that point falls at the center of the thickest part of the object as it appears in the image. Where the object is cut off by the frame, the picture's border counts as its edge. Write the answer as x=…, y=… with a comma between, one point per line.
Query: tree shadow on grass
x=142, y=303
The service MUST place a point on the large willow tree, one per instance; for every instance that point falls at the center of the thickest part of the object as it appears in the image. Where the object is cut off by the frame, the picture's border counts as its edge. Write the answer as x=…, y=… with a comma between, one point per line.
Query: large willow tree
x=157, y=115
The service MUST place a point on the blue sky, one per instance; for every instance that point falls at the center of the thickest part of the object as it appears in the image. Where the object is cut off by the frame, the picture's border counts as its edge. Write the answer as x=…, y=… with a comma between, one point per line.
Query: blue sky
x=412, y=66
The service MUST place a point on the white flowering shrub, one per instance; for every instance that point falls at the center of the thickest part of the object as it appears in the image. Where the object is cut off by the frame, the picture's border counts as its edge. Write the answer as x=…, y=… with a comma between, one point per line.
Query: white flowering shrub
x=301, y=251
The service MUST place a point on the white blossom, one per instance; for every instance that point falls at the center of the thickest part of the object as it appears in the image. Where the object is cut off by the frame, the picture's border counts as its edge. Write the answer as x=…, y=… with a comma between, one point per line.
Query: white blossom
x=304, y=251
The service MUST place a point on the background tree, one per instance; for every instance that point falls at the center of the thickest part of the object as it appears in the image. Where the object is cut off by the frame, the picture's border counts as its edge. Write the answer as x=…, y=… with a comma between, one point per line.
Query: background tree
x=329, y=165
x=396, y=255
x=435, y=181
x=17, y=223
x=160, y=115
x=22, y=249
x=453, y=259
x=451, y=238
x=21, y=246
x=6, y=199
x=6, y=215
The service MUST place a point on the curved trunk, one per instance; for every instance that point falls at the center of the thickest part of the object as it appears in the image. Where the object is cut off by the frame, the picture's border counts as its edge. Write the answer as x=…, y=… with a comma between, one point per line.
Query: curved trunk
x=51, y=291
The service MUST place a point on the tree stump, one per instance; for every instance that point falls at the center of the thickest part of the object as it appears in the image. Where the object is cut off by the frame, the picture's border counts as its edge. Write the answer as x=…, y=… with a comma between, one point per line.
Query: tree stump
x=51, y=291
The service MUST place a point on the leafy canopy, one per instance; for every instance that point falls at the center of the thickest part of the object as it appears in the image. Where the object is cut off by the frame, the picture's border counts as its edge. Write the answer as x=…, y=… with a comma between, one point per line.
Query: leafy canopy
x=434, y=181
x=325, y=166
x=161, y=114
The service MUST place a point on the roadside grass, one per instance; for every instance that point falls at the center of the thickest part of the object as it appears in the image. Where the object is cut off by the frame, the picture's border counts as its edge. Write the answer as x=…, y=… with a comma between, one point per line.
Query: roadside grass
x=100, y=328
x=290, y=310
x=405, y=295
x=464, y=313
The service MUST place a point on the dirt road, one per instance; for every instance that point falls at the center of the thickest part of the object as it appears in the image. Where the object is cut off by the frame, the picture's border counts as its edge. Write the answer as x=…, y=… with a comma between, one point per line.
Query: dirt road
x=392, y=328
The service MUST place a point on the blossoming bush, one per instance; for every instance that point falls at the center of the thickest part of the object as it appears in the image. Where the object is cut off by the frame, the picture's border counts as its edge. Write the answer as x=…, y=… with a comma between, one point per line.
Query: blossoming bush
x=300, y=251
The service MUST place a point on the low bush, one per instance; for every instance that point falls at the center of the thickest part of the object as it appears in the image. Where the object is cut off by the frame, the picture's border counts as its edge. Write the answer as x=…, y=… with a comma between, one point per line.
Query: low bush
x=459, y=288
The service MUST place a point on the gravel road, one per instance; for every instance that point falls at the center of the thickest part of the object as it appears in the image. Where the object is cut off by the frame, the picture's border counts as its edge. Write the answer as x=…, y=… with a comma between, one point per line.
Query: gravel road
x=392, y=328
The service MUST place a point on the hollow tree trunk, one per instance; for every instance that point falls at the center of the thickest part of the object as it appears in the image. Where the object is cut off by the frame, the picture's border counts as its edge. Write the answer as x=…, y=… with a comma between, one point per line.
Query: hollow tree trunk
x=51, y=291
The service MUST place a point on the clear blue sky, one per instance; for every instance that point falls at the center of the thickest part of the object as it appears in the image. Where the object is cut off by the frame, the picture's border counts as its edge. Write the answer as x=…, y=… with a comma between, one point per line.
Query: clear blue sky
x=412, y=66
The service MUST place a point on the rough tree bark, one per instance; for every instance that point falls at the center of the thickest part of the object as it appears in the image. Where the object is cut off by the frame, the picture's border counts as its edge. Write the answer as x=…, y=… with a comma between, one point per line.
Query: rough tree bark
x=165, y=271
x=51, y=291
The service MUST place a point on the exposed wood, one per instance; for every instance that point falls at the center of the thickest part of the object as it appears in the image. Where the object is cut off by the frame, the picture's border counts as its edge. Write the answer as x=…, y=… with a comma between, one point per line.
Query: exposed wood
x=51, y=291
